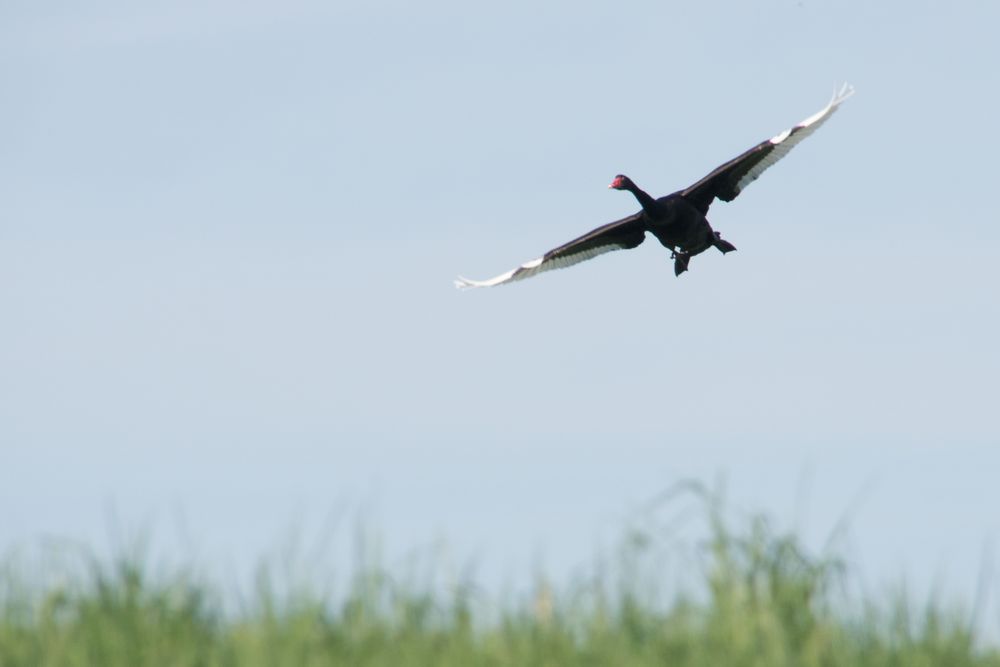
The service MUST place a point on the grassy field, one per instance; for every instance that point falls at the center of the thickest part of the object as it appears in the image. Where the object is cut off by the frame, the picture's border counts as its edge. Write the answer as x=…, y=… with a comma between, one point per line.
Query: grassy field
x=755, y=598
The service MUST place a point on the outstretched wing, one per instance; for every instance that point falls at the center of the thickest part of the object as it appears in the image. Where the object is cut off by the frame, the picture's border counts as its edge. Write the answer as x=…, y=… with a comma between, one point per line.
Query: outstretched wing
x=728, y=180
x=619, y=235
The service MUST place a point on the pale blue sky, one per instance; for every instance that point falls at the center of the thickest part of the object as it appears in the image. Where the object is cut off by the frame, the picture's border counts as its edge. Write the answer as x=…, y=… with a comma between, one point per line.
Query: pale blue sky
x=228, y=232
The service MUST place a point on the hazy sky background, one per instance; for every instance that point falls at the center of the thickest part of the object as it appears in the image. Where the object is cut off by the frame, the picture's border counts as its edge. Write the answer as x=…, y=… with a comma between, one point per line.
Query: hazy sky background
x=228, y=232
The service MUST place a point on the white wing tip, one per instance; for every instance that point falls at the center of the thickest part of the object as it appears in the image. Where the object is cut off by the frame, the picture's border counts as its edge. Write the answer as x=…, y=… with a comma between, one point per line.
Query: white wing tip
x=523, y=271
x=467, y=283
x=841, y=94
x=464, y=283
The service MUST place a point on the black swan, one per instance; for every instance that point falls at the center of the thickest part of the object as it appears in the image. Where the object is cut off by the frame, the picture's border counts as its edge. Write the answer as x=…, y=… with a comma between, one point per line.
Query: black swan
x=678, y=220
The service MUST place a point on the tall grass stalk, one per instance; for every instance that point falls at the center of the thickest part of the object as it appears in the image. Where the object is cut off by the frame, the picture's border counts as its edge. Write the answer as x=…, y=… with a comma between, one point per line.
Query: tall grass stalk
x=756, y=597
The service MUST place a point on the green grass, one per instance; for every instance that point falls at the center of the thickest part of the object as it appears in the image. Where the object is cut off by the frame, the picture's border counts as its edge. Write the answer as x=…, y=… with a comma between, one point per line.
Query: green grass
x=755, y=597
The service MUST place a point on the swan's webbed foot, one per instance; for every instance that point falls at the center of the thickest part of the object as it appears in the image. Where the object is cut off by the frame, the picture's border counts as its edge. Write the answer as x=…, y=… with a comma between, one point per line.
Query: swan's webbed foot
x=722, y=246
x=681, y=260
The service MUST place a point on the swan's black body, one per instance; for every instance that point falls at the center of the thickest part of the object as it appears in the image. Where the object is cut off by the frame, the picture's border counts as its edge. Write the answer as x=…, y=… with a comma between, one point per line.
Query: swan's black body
x=678, y=220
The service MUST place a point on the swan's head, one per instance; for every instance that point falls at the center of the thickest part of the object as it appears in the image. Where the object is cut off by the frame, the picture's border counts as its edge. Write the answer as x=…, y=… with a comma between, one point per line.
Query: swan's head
x=621, y=182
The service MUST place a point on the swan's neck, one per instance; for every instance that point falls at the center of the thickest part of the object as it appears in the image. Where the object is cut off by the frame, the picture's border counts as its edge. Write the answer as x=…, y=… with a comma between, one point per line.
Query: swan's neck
x=648, y=203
